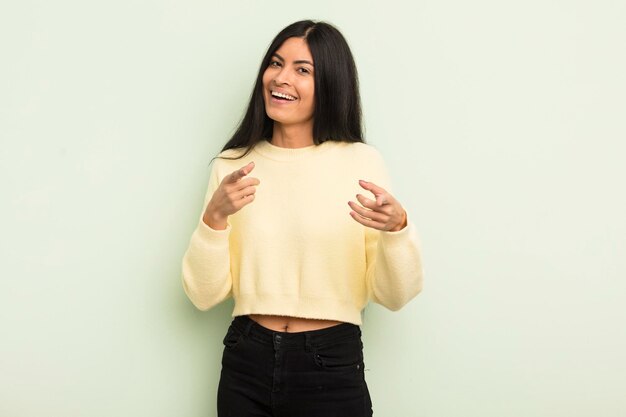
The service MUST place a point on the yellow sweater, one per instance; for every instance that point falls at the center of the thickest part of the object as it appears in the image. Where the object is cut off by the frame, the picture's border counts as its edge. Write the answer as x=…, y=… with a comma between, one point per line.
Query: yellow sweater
x=295, y=250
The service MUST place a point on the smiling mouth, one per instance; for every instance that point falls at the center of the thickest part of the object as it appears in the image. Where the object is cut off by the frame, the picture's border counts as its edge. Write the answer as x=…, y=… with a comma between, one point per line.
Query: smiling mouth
x=281, y=96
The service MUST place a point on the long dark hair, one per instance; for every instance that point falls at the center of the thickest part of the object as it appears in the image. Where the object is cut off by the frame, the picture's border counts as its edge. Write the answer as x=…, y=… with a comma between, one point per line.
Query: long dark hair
x=337, y=110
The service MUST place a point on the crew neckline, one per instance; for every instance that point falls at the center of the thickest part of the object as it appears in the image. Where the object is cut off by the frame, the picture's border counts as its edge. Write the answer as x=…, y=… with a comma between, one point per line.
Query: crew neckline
x=278, y=153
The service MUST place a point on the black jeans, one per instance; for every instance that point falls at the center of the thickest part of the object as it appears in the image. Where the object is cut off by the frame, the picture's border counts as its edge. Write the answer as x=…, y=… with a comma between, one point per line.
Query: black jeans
x=266, y=373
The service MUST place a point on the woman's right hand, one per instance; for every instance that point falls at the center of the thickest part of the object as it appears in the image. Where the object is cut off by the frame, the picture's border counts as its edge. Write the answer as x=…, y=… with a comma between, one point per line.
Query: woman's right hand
x=233, y=193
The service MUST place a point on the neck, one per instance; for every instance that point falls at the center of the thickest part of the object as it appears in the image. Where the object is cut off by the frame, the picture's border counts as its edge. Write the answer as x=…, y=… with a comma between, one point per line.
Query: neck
x=293, y=136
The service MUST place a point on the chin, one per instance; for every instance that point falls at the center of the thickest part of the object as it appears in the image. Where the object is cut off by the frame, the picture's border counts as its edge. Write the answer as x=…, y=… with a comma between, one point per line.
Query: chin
x=275, y=117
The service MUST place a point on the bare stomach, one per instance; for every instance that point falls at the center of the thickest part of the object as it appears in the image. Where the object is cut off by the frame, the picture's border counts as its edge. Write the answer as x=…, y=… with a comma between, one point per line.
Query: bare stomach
x=291, y=324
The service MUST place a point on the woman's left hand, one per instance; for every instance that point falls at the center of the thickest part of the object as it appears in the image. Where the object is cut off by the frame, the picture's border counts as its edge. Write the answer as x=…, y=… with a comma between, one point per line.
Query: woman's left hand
x=384, y=213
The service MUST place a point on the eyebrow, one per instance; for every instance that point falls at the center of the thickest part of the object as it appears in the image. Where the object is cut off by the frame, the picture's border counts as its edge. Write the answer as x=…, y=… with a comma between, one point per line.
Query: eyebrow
x=300, y=61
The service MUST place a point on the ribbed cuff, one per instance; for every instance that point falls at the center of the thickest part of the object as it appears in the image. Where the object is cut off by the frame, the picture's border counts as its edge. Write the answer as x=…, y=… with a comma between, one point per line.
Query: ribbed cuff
x=210, y=235
x=400, y=236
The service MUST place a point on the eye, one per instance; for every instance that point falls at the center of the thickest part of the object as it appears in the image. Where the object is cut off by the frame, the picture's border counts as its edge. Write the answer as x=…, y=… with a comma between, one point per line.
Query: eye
x=274, y=62
x=305, y=70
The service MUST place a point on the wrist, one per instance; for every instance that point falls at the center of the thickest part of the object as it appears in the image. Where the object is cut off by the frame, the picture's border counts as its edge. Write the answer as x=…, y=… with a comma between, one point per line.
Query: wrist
x=214, y=221
x=402, y=225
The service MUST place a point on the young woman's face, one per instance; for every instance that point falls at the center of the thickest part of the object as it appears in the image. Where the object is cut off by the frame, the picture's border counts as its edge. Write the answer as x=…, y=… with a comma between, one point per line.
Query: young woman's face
x=290, y=72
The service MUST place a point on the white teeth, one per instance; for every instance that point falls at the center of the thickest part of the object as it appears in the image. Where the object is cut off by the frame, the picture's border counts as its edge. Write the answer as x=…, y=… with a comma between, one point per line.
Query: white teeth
x=288, y=97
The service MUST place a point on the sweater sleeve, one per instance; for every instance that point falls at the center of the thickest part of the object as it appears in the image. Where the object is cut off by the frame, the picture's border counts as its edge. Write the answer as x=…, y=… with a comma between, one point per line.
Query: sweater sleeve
x=206, y=275
x=394, y=272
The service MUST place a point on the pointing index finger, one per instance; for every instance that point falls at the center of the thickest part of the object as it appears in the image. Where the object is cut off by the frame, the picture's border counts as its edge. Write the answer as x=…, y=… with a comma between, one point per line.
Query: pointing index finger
x=240, y=173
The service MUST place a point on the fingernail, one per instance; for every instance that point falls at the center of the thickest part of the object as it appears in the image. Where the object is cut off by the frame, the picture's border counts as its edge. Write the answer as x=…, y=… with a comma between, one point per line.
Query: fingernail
x=363, y=181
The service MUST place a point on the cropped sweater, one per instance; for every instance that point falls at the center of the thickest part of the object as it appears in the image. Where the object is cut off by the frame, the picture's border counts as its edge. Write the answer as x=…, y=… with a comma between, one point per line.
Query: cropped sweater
x=295, y=250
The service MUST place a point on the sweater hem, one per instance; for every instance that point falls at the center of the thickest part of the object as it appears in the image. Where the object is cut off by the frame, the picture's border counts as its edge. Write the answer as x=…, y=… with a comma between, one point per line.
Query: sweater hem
x=309, y=308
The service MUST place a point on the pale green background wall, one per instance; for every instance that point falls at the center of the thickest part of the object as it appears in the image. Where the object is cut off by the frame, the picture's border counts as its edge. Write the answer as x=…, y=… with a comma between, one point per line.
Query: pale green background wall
x=503, y=126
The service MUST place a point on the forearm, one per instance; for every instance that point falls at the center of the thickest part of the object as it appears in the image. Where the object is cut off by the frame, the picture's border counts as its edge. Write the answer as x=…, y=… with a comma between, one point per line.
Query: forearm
x=395, y=274
x=206, y=275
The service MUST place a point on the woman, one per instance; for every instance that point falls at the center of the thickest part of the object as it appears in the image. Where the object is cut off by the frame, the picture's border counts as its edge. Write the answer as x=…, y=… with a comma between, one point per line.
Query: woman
x=300, y=264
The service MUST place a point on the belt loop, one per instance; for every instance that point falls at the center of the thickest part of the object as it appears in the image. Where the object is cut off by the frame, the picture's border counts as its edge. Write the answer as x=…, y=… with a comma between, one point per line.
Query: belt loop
x=248, y=327
x=307, y=342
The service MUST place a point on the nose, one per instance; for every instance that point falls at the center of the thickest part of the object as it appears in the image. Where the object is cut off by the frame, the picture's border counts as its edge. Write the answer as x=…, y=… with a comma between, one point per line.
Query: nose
x=282, y=77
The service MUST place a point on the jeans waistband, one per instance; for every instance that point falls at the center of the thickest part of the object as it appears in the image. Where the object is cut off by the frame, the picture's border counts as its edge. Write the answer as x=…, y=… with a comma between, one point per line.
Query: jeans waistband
x=305, y=338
